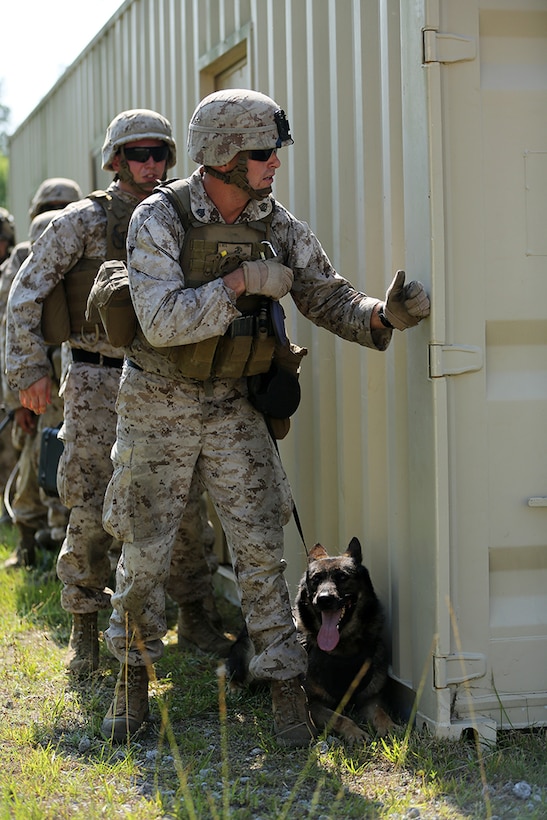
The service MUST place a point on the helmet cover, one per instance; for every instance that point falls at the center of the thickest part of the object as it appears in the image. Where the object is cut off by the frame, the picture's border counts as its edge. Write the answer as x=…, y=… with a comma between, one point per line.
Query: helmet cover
x=53, y=191
x=39, y=224
x=233, y=120
x=7, y=227
x=136, y=124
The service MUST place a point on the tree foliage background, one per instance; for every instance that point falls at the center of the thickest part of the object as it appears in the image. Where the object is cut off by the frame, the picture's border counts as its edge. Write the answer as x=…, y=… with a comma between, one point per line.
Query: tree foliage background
x=4, y=162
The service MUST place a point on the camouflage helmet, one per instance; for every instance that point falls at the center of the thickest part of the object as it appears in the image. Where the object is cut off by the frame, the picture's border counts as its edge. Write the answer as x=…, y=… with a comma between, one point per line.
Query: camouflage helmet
x=137, y=124
x=233, y=120
x=7, y=227
x=39, y=224
x=54, y=191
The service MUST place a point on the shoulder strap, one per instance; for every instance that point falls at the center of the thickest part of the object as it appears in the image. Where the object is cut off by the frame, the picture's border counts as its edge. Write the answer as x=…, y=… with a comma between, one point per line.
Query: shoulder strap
x=118, y=213
x=99, y=195
x=177, y=192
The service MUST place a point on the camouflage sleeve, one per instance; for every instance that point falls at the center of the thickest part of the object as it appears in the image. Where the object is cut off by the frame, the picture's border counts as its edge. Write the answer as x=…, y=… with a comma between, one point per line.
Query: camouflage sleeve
x=55, y=252
x=168, y=313
x=319, y=292
x=9, y=271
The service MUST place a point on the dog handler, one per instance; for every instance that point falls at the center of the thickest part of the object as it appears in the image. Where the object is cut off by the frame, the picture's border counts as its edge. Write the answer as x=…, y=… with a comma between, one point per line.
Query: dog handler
x=183, y=400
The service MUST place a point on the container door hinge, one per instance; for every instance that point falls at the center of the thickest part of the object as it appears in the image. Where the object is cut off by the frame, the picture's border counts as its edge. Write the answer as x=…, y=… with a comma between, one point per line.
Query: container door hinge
x=443, y=47
x=449, y=670
x=450, y=360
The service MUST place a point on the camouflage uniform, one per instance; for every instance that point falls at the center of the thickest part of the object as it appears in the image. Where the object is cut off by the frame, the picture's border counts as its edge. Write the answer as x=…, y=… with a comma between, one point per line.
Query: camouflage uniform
x=12, y=438
x=9, y=452
x=52, y=194
x=31, y=507
x=169, y=425
x=89, y=416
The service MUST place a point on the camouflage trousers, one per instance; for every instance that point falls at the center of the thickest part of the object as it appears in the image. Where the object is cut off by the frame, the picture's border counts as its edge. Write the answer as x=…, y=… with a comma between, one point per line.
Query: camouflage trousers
x=26, y=505
x=167, y=431
x=83, y=565
x=30, y=505
x=9, y=456
x=88, y=431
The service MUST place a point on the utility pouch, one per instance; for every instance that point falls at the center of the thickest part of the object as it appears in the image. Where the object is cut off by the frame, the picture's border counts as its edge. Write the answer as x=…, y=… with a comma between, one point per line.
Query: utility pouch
x=110, y=297
x=51, y=448
x=55, y=316
x=195, y=361
x=260, y=359
x=64, y=309
x=246, y=348
x=231, y=356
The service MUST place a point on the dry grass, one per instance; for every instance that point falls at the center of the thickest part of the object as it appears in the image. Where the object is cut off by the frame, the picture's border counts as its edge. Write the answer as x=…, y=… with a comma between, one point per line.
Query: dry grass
x=204, y=755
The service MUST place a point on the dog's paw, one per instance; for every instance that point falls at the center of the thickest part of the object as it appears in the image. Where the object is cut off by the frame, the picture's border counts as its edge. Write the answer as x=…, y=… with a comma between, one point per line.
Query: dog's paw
x=385, y=725
x=355, y=735
x=382, y=721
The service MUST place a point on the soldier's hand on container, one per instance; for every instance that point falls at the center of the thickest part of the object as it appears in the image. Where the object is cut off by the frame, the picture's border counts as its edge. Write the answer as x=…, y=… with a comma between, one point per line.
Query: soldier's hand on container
x=267, y=278
x=405, y=305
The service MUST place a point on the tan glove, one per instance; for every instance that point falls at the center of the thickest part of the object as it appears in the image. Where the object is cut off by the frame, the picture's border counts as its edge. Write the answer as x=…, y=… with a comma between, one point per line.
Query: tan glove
x=405, y=305
x=267, y=278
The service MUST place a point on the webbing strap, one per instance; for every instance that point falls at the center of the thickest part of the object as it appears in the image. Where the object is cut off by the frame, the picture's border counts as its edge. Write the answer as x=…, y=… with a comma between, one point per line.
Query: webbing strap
x=294, y=509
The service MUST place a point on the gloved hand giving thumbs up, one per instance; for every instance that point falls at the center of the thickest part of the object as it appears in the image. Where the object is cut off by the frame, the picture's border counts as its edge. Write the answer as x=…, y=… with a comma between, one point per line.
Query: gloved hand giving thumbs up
x=405, y=305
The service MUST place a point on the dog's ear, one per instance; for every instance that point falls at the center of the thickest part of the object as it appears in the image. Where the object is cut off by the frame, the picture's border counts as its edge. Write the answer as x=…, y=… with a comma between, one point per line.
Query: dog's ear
x=317, y=552
x=354, y=550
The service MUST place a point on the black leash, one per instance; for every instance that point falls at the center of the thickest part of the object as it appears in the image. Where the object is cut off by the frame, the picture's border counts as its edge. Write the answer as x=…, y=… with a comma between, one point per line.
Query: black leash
x=294, y=510
x=299, y=526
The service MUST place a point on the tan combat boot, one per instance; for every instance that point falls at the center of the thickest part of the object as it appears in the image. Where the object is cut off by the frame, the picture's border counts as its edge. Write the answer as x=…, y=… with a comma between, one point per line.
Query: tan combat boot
x=129, y=709
x=84, y=644
x=196, y=631
x=292, y=722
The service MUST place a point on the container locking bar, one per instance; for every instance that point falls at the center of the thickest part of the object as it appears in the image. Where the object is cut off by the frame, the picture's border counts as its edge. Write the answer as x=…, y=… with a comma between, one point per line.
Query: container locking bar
x=449, y=670
x=451, y=360
x=444, y=47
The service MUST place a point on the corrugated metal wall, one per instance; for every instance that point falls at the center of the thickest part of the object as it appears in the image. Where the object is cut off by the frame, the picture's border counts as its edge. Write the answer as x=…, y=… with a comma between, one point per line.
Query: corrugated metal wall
x=334, y=65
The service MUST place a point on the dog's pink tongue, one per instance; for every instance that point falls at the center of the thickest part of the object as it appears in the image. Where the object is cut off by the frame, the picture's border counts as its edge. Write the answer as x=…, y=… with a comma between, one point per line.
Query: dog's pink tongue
x=328, y=636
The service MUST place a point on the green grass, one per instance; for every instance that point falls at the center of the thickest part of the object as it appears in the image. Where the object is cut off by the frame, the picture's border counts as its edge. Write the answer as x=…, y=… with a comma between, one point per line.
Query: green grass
x=208, y=753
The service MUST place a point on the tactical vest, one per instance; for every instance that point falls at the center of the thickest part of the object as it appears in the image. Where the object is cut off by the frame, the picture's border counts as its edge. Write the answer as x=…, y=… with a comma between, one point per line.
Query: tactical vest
x=64, y=310
x=210, y=251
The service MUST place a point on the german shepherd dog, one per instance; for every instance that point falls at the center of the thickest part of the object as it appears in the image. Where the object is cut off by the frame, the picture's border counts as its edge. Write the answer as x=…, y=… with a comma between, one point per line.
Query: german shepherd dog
x=339, y=621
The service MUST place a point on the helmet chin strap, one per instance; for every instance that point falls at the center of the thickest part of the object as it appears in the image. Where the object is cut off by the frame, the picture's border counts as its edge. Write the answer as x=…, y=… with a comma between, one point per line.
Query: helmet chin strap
x=238, y=176
x=126, y=176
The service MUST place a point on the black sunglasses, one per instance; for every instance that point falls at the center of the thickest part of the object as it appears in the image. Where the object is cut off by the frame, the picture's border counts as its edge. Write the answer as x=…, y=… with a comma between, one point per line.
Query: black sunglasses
x=140, y=154
x=261, y=154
